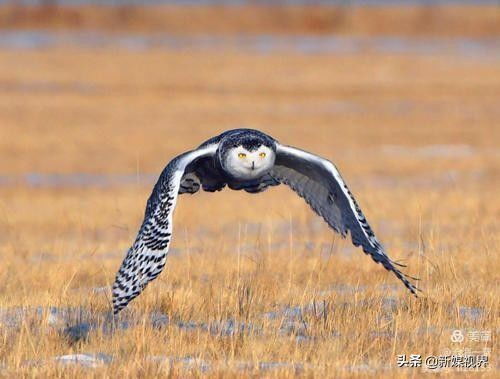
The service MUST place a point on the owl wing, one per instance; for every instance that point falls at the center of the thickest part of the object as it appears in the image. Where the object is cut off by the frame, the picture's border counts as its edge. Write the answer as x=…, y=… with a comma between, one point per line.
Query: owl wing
x=147, y=256
x=319, y=182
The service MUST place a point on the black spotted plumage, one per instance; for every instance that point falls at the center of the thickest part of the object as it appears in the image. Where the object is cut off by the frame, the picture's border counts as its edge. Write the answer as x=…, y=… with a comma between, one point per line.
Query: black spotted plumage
x=313, y=178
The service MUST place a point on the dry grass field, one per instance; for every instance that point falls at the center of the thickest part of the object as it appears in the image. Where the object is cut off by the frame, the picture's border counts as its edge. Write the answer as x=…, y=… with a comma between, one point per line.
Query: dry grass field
x=255, y=285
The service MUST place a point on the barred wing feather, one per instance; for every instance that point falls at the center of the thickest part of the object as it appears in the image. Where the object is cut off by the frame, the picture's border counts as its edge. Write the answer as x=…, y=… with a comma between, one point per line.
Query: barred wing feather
x=147, y=256
x=318, y=181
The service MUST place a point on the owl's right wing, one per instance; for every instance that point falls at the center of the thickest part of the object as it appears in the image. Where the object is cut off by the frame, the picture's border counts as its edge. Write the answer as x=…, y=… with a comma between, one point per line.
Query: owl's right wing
x=147, y=256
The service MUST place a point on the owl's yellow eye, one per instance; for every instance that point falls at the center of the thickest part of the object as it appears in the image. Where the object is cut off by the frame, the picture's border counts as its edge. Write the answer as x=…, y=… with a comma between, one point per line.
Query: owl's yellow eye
x=242, y=155
x=262, y=155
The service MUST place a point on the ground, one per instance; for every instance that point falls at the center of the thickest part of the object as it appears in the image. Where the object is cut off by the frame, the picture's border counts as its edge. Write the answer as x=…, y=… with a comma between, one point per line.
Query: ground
x=254, y=284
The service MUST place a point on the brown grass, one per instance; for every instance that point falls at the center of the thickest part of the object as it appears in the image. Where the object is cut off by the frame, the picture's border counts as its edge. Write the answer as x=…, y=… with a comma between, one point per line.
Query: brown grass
x=456, y=20
x=242, y=256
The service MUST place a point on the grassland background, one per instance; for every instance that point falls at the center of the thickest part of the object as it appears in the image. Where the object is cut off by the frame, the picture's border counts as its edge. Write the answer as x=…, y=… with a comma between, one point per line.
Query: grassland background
x=415, y=135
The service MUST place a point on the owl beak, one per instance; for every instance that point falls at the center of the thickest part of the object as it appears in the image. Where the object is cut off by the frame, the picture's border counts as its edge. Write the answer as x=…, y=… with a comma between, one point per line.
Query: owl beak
x=253, y=165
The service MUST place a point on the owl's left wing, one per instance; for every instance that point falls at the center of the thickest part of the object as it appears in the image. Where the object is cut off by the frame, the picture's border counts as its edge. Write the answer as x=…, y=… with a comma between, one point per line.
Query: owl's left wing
x=147, y=256
x=318, y=181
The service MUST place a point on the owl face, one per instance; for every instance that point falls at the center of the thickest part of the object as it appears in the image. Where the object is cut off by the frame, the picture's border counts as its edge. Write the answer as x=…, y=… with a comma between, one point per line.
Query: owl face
x=245, y=163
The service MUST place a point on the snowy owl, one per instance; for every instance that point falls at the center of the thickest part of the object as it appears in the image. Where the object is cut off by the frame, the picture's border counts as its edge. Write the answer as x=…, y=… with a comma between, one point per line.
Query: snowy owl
x=242, y=159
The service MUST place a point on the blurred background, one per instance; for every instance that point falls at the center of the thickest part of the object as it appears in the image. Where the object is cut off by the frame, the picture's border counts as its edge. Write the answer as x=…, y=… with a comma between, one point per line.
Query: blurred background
x=167, y=74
